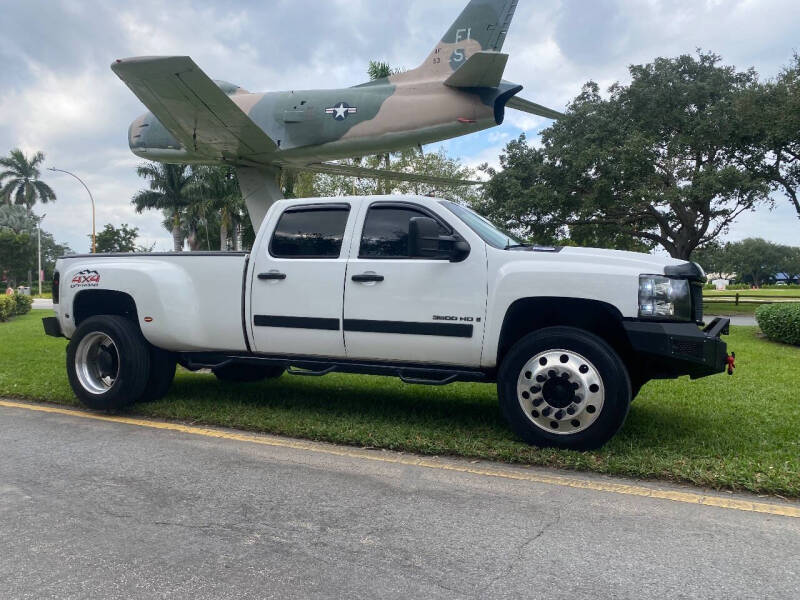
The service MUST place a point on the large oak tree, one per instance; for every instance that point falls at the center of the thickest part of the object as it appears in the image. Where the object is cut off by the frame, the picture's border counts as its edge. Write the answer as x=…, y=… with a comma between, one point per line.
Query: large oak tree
x=773, y=115
x=663, y=160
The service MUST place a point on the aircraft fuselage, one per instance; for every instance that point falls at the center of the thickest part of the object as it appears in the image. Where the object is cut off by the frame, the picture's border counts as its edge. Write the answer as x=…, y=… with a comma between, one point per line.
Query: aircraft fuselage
x=318, y=125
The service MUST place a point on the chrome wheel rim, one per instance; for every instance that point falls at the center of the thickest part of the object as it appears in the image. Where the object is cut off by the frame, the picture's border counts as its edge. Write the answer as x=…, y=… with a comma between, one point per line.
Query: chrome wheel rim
x=561, y=392
x=97, y=363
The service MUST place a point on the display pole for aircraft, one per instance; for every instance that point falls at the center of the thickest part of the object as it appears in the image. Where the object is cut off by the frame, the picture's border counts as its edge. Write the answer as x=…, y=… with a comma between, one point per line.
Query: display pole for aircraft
x=94, y=240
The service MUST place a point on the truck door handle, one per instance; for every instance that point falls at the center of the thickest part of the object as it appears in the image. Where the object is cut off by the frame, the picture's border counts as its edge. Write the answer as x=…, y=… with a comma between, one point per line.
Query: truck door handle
x=272, y=276
x=368, y=278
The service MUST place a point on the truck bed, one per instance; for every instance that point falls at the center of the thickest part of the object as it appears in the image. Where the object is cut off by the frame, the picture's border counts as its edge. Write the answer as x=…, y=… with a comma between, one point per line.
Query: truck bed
x=186, y=301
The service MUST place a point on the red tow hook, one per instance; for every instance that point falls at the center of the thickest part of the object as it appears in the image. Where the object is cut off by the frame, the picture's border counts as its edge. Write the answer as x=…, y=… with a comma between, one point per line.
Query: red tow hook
x=731, y=362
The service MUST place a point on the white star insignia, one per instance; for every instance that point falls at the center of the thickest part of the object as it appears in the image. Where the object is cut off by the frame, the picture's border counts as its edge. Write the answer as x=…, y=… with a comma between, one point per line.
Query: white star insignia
x=340, y=110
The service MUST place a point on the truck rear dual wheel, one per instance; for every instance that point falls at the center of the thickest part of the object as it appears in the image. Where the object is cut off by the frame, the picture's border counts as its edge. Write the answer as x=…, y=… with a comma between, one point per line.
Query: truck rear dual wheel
x=564, y=387
x=162, y=373
x=108, y=362
x=110, y=365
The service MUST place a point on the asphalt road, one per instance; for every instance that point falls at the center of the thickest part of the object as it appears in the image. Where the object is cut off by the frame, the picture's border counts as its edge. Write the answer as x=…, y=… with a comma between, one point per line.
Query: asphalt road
x=94, y=509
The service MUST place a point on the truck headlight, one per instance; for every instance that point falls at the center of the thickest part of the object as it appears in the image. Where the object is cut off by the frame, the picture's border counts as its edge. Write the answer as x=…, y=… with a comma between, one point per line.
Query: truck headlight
x=664, y=298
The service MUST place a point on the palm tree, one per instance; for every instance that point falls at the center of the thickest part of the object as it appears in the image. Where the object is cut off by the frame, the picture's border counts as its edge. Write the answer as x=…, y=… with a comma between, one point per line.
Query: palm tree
x=170, y=191
x=16, y=219
x=380, y=70
x=21, y=176
x=218, y=189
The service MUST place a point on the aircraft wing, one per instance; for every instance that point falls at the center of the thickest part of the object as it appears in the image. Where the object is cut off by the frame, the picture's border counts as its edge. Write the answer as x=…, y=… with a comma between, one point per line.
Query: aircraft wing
x=193, y=108
x=330, y=168
x=532, y=108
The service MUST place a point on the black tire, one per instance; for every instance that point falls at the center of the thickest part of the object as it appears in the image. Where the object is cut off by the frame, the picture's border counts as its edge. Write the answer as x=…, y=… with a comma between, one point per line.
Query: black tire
x=243, y=373
x=125, y=363
x=162, y=373
x=636, y=387
x=549, y=405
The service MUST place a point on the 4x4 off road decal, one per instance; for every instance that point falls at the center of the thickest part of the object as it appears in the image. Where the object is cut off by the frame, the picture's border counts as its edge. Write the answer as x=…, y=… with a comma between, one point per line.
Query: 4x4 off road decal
x=86, y=278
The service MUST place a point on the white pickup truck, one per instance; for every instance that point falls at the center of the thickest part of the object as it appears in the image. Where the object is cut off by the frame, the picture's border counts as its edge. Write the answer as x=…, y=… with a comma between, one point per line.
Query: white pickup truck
x=413, y=287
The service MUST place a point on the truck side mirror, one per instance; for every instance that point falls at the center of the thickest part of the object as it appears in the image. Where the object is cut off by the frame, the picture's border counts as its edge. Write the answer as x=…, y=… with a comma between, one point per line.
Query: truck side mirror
x=460, y=251
x=423, y=238
x=424, y=241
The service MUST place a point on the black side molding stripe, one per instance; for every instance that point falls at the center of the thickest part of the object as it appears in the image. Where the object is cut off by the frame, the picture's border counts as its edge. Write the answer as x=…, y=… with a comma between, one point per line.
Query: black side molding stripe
x=297, y=322
x=403, y=327
x=366, y=326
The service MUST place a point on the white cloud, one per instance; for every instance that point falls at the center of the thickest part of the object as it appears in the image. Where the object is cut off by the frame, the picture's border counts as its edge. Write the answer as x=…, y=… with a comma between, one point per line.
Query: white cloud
x=58, y=95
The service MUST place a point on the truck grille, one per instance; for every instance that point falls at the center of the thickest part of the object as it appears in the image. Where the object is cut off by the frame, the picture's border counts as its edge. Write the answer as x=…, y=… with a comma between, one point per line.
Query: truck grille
x=697, y=302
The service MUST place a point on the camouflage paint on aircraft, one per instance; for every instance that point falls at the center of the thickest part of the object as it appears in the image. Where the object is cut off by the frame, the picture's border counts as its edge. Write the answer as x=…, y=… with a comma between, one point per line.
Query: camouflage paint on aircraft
x=457, y=90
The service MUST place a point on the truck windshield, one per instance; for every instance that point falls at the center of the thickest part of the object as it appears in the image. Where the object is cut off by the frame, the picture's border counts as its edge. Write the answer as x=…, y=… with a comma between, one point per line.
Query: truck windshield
x=488, y=232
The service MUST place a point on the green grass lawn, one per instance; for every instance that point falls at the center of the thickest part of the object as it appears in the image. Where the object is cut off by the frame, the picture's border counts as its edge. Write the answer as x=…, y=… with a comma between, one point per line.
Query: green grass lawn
x=726, y=306
x=729, y=309
x=736, y=433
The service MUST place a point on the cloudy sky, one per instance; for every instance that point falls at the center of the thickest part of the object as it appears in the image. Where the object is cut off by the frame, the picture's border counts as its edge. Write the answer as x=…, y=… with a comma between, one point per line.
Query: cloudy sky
x=58, y=95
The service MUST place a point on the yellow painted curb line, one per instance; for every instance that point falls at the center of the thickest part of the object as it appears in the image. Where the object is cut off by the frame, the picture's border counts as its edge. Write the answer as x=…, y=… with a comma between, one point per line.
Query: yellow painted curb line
x=585, y=484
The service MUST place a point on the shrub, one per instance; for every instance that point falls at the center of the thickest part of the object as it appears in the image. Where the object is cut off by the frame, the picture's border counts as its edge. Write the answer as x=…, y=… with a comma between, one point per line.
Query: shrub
x=780, y=322
x=7, y=307
x=23, y=304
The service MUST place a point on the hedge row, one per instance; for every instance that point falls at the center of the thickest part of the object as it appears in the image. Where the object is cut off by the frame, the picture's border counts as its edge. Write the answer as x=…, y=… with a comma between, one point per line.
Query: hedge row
x=780, y=322
x=18, y=304
x=7, y=307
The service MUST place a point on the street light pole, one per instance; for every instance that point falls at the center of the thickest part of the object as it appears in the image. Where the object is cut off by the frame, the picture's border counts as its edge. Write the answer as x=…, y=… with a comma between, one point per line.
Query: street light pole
x=94, y=240
x=39, y=241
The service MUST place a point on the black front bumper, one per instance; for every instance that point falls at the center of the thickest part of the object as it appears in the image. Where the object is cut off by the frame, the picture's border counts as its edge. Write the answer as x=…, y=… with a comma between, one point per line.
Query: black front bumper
x=668, y=350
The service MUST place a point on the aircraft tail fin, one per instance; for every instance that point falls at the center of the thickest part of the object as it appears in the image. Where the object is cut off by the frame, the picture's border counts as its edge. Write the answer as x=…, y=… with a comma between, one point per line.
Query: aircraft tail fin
x=481, y=27
x=484, y=21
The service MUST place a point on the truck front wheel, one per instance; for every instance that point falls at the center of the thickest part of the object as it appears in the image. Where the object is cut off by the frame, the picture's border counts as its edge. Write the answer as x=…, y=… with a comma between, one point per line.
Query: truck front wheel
x=564, y=387
x=108, y=362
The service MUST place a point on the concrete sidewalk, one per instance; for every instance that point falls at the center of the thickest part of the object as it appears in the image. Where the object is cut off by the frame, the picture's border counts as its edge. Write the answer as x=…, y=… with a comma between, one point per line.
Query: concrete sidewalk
x=740, y=321
x=42, y=304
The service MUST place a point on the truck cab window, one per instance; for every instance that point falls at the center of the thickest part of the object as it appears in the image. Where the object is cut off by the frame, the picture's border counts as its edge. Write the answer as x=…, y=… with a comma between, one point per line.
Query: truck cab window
x=385, y=232
x=306, y=232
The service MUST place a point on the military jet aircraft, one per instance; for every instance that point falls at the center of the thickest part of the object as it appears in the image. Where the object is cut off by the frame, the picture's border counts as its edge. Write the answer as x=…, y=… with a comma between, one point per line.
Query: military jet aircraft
x=457, y=90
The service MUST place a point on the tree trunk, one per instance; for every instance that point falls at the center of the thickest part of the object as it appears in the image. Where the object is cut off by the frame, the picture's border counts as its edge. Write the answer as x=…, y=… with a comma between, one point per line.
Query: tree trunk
x=223, y=235
x=194, y=243
x=682, y=250
x=177, y=236
x=387, y=164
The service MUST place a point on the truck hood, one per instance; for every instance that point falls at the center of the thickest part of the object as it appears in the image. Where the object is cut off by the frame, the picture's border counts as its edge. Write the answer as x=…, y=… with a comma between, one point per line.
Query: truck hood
x=609, y=259
x=644, y=263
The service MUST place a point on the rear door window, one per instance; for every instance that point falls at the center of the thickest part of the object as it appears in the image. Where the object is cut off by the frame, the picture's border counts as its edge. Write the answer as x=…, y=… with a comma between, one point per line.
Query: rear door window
x=305, y=232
